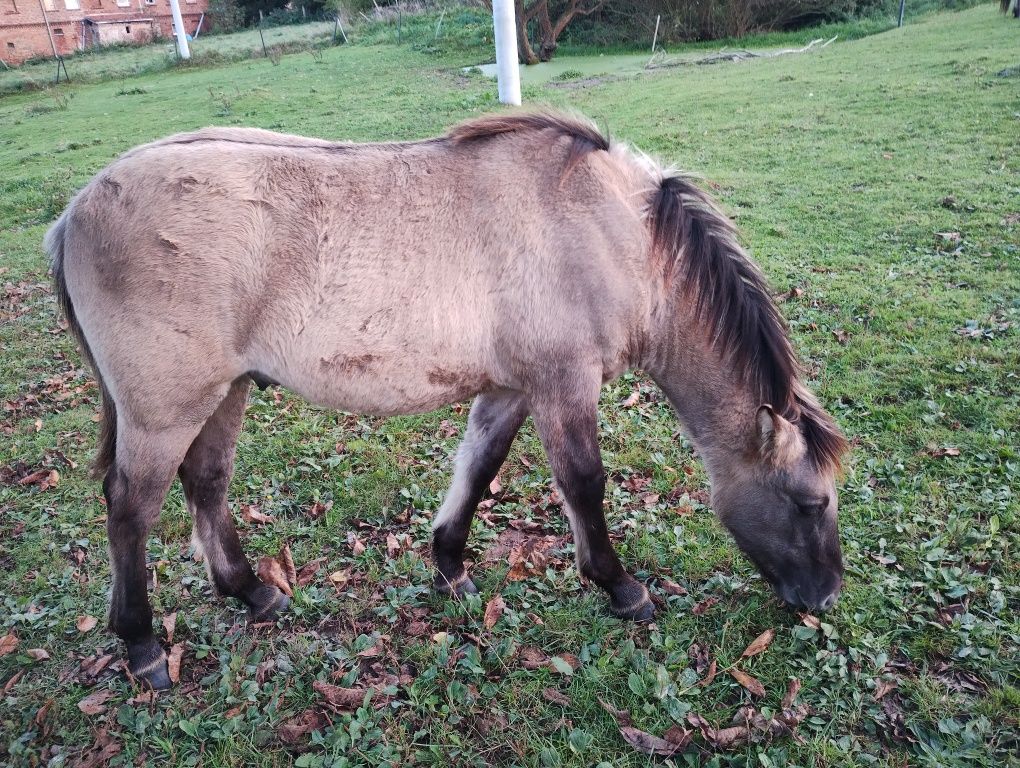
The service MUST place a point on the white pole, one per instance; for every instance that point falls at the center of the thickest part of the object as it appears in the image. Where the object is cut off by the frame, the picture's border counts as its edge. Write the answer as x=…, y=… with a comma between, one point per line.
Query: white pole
x=508, y=74
x=182, y=38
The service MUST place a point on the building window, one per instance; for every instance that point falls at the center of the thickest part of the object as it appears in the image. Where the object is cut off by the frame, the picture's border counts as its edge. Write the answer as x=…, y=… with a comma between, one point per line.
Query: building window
x=127, y=29
x=58, y=31
x=123, y=3
x=51, y=5
x=10, y=46
x=72, y=5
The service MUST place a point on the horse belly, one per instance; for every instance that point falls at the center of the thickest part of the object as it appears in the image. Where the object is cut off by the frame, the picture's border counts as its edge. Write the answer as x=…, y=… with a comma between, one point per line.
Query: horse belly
x=379, y=384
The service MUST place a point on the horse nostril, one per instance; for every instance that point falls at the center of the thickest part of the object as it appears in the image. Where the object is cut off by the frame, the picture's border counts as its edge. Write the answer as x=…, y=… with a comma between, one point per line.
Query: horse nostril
x=828, y=602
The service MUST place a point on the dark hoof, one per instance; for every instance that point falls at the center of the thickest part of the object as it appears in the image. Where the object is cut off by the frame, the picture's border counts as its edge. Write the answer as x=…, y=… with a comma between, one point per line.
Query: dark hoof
x=639, y=608
x=267, y=605
x=458, y=587
x=148, y=665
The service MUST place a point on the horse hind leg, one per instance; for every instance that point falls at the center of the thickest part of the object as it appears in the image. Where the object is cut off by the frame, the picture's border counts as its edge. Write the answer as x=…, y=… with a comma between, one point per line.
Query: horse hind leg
x=135, y=487
x=569, y=432
x=492, y=425
x=205, y=475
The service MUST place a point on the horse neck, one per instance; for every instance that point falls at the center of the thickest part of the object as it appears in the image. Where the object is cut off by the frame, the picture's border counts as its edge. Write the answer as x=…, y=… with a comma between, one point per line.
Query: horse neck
x=716, y=408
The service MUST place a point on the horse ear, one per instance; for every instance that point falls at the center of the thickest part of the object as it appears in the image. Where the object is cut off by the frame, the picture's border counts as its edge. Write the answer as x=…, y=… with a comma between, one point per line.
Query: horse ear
x=766, y=420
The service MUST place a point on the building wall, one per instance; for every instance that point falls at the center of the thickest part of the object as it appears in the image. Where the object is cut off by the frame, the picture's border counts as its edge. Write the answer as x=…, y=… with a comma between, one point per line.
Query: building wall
x=23, y=30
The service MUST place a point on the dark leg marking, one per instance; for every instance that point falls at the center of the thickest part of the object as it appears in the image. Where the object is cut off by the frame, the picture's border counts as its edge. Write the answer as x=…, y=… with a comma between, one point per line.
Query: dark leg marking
x=205, y=475
x=569, y=432
x=494, y=421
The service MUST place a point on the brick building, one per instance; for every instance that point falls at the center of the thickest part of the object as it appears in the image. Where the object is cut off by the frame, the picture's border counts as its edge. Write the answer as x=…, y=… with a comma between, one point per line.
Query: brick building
x=79, y=24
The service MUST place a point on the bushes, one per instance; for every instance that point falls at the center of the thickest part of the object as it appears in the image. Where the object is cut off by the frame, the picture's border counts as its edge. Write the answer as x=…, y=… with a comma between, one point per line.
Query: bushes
x=685, y=20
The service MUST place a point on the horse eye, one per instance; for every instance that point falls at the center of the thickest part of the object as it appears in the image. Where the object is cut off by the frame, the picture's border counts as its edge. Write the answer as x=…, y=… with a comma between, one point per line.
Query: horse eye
x=814, y=507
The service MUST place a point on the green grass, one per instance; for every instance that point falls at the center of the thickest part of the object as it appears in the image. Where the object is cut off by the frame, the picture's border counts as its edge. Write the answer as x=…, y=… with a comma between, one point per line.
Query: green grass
x=842, y=168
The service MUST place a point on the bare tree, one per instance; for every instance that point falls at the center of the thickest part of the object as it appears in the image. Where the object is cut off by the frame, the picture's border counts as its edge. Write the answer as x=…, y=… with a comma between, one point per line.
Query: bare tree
x=564, y=11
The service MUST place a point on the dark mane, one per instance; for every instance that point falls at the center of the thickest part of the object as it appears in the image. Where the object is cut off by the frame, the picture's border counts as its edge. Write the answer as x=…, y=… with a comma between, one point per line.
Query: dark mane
x=698, y=245
x=586, y=137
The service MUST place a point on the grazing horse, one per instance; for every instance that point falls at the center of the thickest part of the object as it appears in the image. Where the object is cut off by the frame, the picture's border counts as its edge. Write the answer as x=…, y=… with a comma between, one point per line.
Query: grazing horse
x=1004, y=7
x=521, y=259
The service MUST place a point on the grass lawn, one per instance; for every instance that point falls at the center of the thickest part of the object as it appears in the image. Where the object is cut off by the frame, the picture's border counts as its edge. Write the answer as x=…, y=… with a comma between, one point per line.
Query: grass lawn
x=876, y=181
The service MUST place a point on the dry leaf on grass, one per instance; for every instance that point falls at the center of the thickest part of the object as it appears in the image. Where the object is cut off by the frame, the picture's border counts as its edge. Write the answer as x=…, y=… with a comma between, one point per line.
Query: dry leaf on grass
x=8, y=643
x=169, y=624
x=648, y=744
x=39, y=654
x=357, y=546
x=710, y=675
x=700, y=608
x=85, y=623
x=810, y=621
x=95, y=703
x=622, y=716
x=555, y=696
x=173, y=662
x=792, y=689
x=279, y=571
x=532, y=657
x=301, y=725
x=750, y=683
x=493, y=610
x=495, y=486
x=759, y=644
x=100, y=753
x=250, y=514
x=632, y=399
x=348, y=699
x=307, y=572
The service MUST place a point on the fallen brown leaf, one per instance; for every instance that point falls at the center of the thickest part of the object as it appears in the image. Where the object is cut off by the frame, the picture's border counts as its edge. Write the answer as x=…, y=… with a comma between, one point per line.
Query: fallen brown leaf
x=622, y=716
x=532, y=658
x=648, y=744
x=95, y=703
x=169, y=624
x=287, y=561
x=347, y=699
x=704, y=605
x=100, y=753
x=271, y=572
x=671, y=587
x=8, y=643
x=882, y=687
x=357, y=546
x=750, y=683
x=632, y=399
x=493, y=610
x=39, y=654
x=495, y=486
x=710, y=676
x=173, y=661
x=759, y=644
x=250, y=514
x=555, y=696
x=85, y=623
x=40, y=716
x=301, y=725
x=13, y=681
x=810, y=621
x=306, y=574
x=318, y=509
x=792, y=689
x=144, y=698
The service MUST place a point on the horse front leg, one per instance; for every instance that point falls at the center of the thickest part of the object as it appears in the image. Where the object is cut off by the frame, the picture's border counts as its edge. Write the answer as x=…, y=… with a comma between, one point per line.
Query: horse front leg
x=492, y=425
x=568, y=428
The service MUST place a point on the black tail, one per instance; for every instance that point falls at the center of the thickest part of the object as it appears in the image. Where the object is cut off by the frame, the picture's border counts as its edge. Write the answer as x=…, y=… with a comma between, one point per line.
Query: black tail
x=107, y=448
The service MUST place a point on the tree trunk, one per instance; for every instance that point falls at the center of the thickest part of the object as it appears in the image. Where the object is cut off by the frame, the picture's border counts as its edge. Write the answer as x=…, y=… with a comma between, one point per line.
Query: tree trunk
x=548, y=31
